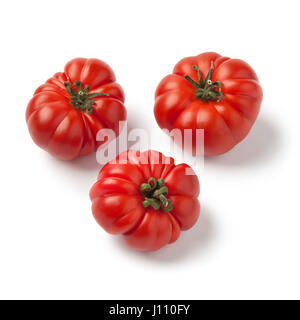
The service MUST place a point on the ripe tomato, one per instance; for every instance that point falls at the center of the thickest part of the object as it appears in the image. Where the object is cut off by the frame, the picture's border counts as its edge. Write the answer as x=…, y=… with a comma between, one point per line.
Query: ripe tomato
x=66, y=112
x=147, y=200
x=210, y=92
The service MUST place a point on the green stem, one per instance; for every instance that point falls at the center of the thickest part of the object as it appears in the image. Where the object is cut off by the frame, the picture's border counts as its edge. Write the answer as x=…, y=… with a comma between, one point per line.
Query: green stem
x=205, y=89
x=80, y=98
x=154, y=193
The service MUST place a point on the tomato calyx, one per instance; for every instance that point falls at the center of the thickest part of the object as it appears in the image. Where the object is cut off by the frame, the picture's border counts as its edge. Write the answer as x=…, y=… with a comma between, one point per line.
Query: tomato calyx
x=205, y=89
x=154, y=193
x=80, y=98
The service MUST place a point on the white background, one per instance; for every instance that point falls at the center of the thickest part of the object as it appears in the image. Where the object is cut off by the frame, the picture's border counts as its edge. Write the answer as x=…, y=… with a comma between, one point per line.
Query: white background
x=246, y=242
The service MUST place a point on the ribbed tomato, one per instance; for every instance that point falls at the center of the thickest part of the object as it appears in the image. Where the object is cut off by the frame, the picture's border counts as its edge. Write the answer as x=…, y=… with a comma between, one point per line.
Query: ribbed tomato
x=66, y=113
x=210, y=92
x=147, y=200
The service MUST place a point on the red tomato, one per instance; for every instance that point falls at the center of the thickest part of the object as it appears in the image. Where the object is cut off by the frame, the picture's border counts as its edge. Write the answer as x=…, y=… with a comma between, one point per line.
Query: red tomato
x=66, y=112
x=210, y=92
x=148, y=200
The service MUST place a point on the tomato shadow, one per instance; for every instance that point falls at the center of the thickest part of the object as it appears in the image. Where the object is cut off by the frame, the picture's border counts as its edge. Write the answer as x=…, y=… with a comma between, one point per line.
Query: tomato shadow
x=88, y=162
x=84, y=163
x=76, y=176
x=260, y=146
x=190, y=245
x=135, y=120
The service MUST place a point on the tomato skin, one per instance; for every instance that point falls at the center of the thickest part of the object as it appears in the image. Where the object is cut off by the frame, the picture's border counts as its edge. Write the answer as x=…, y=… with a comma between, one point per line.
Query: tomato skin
x=64, y=131
x=117, y=200
x=226, y=122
